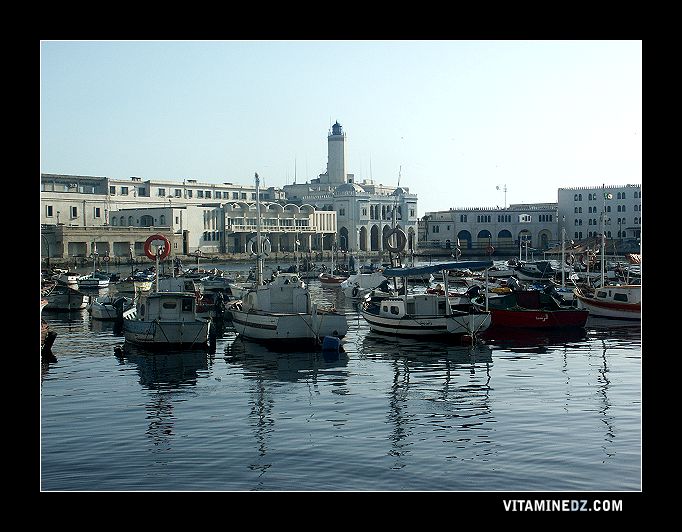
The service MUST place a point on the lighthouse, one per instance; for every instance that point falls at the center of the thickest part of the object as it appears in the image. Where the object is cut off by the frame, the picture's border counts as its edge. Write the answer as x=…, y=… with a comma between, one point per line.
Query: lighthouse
x=336, y=155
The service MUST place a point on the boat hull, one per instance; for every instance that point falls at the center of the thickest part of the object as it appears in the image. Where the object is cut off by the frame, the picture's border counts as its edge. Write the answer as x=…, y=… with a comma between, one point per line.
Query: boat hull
x=66, y=298
x=168, y=334
x=539, y=319
x=603, y=309
x=428, y=326
x=264, y=326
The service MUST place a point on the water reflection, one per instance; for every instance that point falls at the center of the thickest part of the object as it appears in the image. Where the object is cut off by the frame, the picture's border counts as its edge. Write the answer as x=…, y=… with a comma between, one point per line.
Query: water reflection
x=166, y=375
x=263, y=362
x=436, y=389
x=532, y=340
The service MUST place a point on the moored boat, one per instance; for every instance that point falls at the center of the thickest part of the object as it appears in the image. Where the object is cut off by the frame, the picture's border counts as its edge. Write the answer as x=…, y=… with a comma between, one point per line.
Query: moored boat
x=534, y=309
x=426, y=314
x=111, y=307
x=612, y=301
x=168, y=319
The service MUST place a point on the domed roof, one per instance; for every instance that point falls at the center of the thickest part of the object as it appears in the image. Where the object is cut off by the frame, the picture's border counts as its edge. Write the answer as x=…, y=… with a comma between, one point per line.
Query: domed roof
x=349, y=187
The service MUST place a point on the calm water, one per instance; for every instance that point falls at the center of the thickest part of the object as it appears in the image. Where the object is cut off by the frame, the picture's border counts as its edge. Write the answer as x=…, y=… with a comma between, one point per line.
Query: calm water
x=519, y=413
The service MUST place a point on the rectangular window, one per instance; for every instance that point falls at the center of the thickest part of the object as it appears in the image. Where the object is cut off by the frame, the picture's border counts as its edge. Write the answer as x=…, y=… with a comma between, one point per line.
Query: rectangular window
x=189, y=193
x=200, y=193
x=97, y=212
x=142, y=191
x=112, y=190
x=342, y=212
x=208, y=193
x=235, y=195
x=124, y=191
x=178, y=193
x=74, y=212
x=48, y=210
x=218, y=194
x=162, y=192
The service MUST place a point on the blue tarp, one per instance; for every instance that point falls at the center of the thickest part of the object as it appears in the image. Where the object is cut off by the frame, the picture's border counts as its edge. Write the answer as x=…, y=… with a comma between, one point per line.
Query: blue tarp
x=432, y=268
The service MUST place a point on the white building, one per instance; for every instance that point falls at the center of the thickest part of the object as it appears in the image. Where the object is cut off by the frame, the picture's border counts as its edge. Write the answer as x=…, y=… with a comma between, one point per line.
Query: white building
x=364, y=210
x=478, y=228
x=580, y=210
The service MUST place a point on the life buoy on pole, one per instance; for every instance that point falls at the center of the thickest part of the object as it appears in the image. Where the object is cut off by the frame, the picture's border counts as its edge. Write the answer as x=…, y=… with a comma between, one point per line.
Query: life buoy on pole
x=165, y=249
x=106, y=258
x=401, y=240
x=570, y=259
x=490, y=250
x=266, y=246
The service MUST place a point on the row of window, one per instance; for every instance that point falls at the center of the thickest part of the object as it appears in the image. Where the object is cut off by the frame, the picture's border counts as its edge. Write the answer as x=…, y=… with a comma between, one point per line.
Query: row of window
x=177, y=192
x=620, y=221
x=594, y=196
x=73, y=212
x=590, y=210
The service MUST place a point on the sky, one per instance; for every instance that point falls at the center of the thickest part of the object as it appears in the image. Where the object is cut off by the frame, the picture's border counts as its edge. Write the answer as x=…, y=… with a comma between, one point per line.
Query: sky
x=454, y=121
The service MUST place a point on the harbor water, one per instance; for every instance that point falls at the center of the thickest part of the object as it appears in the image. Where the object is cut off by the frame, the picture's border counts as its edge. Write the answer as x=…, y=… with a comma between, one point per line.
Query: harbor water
x=523, y=412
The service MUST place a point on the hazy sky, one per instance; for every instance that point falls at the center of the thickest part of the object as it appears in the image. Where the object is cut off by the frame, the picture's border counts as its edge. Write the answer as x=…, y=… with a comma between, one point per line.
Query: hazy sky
x=452, y=119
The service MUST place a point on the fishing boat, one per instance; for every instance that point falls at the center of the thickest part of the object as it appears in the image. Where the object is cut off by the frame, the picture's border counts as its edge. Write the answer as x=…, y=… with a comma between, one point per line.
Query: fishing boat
x=138, y=281
x=425, y=314
x=62, y=297
x=540, y=270
x=168, y=319
x=358, y=285
x=110, y=307
x=96, y=279
x=534, y=309
x=282, y=310
x=612, y=301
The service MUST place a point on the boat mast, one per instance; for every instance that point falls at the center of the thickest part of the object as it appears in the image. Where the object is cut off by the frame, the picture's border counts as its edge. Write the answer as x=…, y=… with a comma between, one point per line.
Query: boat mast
x=259, y=255
x=603, y=237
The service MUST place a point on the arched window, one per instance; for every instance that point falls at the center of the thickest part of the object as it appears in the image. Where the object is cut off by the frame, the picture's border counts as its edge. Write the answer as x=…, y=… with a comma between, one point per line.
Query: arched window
x=130, y=220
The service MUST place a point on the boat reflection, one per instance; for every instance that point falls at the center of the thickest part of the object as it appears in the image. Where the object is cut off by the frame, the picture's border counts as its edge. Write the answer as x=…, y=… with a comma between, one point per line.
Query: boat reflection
x=379, y=346
x=168, y=370
x=532, y=340
x=166, y=375
x=265, y=362
x=451, y=383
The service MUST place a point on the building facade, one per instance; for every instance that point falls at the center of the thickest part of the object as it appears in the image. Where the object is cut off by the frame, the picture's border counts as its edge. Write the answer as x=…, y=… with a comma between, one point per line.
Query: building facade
x=581, y=208
x=365, y=211
x=475, y=230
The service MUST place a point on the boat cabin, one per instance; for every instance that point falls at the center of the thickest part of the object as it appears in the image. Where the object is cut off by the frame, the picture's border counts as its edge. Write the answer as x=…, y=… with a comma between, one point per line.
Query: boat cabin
x=416, y=305
x=286, y=293
x=167, y=306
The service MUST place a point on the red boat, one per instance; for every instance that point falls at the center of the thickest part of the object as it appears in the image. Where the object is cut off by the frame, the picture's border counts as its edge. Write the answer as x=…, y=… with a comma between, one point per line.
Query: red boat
x=532, y=309
x=329, y=279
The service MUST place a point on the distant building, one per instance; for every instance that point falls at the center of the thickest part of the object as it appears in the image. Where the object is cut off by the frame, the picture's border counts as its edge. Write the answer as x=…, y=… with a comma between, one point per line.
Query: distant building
x=365, y=211
x=580, y=210
x=478, y=228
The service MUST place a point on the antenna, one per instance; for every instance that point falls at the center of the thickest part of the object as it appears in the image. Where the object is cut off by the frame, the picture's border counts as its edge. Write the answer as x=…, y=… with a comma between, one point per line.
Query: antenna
x=400, y=169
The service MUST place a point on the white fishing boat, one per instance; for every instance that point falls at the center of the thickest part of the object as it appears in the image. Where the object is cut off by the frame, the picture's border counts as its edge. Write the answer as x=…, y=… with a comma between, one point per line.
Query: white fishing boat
x=540, y=270
x=358, y=285
x=137, y=281
x=425, y=314
x=282, y=310
x=612, y=301
x=62, y=297
x=166, y=317
x=111, y=307
x=95, y=279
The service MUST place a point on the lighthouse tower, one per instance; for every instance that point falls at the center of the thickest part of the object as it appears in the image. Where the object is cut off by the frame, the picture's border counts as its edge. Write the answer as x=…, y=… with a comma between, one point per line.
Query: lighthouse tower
x=336, y=156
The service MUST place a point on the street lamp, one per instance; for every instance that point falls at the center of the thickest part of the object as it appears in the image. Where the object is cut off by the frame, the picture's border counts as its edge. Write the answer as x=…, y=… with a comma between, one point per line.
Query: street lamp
x=505, y=194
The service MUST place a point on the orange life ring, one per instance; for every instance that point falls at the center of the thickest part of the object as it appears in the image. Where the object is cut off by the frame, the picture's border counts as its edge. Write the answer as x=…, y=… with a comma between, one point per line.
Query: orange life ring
x=165, y=249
